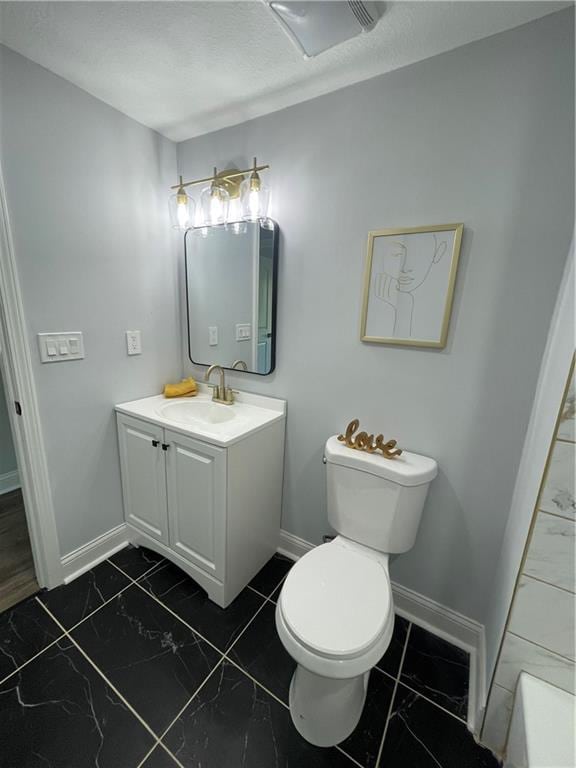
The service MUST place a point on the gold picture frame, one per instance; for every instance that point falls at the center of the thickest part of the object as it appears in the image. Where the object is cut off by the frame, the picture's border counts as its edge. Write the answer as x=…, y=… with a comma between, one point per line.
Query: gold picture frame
x=408, y=289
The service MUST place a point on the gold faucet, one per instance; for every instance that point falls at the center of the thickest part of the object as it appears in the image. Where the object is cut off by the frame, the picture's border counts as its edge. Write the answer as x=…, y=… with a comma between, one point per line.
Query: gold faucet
x=240, y=365
x=220, y=392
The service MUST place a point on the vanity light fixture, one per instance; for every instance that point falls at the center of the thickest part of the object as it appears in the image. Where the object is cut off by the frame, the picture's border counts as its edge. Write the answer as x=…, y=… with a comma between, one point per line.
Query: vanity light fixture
x=181, y=208
x=231, y=195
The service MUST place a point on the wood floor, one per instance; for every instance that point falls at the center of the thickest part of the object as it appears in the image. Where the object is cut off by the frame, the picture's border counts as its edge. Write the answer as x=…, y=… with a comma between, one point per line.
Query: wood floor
x=17, y=577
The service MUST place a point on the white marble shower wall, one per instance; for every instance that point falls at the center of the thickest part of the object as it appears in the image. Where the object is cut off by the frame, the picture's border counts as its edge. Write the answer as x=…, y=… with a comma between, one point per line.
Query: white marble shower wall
x=539, y=638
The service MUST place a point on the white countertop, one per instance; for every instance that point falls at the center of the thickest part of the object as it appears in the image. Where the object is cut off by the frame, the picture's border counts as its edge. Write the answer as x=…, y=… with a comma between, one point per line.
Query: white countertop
x=250, y=412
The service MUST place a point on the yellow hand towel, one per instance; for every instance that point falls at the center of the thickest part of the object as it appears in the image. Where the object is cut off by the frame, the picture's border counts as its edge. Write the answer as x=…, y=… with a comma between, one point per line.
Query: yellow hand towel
x=184, y=388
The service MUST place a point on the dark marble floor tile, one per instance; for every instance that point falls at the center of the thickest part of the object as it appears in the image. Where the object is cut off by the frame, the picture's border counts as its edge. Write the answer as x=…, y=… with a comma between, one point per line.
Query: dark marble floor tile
x=420, y=735
x=270, y=576
x=57, y=711
x=72, y=602
x=233, y=722
x=136, y=561
x=153, y=660
x=390, y=661
x=438, y=670
x=364, y=743
x=182, y=595
x=260, y=652
x=159, y=759
x=24, y=631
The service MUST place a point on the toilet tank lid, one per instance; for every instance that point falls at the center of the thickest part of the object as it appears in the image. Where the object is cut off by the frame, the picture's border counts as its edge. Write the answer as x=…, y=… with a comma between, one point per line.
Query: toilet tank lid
x=408, y=469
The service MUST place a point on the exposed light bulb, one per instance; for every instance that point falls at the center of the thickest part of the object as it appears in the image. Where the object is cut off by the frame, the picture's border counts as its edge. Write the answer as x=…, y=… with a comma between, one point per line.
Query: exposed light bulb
x=182, y=214
x=216, y=209
x=181, y=208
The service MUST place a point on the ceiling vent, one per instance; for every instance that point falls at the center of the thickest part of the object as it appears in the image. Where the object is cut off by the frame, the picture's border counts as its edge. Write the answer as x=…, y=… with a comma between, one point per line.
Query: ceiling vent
x=318, y=25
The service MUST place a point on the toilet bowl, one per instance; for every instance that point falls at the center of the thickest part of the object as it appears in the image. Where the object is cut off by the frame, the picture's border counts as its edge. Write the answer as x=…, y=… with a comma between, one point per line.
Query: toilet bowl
x=335, y=614
x=335, y=618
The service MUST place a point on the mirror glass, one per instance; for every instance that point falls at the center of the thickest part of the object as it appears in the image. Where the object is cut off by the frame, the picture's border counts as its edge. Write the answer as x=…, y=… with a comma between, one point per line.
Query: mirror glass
x=231, y=273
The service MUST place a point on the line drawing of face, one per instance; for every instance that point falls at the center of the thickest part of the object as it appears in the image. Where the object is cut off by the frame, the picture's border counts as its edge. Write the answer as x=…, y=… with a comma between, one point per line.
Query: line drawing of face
x=410, y=271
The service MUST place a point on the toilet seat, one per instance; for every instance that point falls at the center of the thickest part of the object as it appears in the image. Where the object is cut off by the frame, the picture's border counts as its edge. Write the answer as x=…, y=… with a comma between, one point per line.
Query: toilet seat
x=336, y=603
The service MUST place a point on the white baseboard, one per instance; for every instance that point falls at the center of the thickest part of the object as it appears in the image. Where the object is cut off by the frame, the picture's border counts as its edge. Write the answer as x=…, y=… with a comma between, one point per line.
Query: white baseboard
x=75, y=563
x=293, y=546
x=9, y=481
x=435, y=617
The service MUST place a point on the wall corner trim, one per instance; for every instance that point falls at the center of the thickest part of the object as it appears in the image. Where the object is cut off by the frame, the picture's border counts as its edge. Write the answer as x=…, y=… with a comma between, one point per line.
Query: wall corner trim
x=442, y=621
x=89, y=555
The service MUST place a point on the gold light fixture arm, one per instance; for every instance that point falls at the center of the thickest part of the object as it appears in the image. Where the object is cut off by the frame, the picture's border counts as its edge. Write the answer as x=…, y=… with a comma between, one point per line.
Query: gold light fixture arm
x=223, y=175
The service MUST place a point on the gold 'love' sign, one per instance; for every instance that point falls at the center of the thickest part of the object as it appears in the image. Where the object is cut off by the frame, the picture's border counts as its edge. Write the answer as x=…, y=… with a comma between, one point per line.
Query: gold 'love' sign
x=365, y=442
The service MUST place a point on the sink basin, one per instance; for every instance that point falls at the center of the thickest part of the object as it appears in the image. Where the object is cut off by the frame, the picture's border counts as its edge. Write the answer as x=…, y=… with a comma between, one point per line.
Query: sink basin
x=189, y=412
x=201, y=418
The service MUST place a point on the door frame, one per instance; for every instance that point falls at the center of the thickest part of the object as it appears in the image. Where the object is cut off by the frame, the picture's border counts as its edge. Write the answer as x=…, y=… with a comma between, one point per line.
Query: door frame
x=26, y=428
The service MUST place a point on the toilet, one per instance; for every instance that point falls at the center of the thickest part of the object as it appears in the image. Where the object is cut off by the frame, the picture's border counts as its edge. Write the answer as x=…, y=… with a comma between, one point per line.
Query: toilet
x=335, y=612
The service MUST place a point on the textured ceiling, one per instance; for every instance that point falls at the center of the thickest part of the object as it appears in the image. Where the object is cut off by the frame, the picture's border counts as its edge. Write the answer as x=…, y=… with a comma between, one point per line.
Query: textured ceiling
x=186, y=68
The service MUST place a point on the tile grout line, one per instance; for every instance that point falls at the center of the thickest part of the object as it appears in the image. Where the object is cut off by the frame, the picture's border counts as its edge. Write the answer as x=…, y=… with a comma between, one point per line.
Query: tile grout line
x=259, y=593
x=88, y=616
x=146, y=573
x=423, y=696
x=229, y=648
x=547, y=583
x=178, y=715
x=102, y=675
x=542, y=511
x=396, y=682
x=352, y=759
x=14, y=671
x=538, y=645
x=180, y=619
x=564, y=440
x=275, y=697
x=201, y=636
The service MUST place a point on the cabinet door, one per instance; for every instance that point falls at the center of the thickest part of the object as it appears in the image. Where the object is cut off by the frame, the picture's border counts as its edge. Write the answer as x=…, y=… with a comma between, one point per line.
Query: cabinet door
x=196, y=481
x=143, y=466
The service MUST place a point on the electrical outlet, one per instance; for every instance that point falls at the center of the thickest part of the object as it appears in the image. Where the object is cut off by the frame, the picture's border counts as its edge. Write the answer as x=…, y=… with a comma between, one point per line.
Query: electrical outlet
x=213, y=335
x=133, y=343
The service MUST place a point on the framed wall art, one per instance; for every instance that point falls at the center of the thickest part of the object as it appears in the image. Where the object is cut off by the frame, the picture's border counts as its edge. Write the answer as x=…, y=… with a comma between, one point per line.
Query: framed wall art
x=409, y=285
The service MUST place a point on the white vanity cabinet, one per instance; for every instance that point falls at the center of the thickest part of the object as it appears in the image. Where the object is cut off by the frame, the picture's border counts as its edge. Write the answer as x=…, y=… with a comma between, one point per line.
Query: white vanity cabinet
x=210, y=505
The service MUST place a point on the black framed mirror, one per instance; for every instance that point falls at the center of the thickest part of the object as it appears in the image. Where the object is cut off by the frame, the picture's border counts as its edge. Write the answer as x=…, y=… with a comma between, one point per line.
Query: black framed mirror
x=231, y=294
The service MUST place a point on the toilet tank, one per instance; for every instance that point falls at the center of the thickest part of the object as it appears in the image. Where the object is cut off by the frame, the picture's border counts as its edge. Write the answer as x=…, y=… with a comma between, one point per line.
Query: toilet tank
x=374, y=500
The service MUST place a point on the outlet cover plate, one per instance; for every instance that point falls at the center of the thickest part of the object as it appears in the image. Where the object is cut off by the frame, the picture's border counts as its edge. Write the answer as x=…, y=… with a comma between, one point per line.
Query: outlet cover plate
x=133, y=343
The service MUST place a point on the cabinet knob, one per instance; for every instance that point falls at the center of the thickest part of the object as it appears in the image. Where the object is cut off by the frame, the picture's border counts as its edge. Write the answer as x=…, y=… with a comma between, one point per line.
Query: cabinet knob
x=165, y=446
x=155, y=443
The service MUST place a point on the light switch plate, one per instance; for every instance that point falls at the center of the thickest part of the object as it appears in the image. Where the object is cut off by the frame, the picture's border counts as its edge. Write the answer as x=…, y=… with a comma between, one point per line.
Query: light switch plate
x=133, y=343
x=243, y=331
x=61, y=346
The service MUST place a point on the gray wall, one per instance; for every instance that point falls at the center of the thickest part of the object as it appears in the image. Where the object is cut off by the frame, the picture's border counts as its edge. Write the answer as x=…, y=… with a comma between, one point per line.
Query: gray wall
x=7, y=455
x=483, y=135
x=87, y=190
